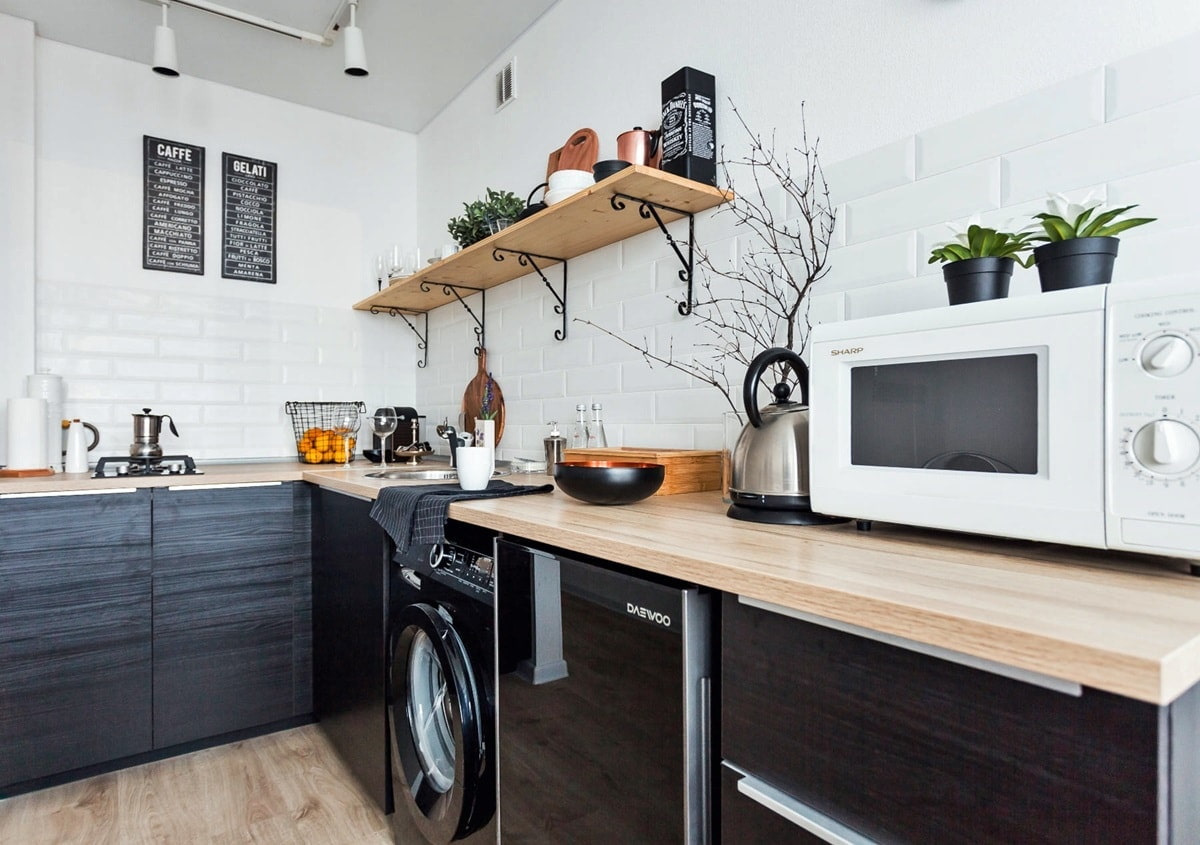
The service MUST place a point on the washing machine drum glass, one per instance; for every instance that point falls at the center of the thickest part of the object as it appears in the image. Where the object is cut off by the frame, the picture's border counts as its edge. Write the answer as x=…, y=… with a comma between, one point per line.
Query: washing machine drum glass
x=440, y=769
x=430, y=719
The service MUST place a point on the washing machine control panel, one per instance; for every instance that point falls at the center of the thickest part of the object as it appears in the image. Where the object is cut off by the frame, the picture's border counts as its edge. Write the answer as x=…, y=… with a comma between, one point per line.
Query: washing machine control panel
x=462, y=567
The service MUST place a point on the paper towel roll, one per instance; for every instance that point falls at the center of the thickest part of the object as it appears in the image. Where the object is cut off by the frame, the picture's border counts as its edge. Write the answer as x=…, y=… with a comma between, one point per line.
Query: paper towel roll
x=27, y=433
x=50, y=388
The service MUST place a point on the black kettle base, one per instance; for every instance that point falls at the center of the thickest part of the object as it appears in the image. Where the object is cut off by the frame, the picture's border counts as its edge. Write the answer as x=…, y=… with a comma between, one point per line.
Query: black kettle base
x=782, y=516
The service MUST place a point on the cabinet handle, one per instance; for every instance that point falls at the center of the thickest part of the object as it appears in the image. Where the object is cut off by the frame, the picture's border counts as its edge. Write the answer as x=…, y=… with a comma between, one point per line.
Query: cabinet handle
x=798, y=813
x=1027, y=676
x=49, y=494
x=237, y=485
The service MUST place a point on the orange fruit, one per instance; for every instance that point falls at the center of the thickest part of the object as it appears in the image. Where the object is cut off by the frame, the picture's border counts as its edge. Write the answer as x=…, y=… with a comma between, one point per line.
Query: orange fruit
x=312, y=456
x=339, y=456
x=321, y=442
x=312, y=432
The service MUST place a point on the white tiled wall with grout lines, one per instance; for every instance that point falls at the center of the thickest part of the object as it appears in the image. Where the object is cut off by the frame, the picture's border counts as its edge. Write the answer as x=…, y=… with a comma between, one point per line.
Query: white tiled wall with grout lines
x=1127, y=131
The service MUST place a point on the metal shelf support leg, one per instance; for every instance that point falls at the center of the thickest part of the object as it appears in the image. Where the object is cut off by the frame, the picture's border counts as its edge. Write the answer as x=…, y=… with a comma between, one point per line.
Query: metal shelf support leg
x=453, y=290
x=422, y=338
x=649, y=209
x=526, y=259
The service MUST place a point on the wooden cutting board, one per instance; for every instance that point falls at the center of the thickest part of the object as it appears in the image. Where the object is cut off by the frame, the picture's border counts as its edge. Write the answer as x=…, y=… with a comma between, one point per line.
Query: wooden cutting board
x=27, y=473
x=579, y=153
x=472, y=403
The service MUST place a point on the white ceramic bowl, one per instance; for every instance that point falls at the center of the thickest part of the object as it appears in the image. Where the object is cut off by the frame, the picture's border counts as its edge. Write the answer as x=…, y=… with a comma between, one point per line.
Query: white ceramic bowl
x=561, y=194
x=573, y=179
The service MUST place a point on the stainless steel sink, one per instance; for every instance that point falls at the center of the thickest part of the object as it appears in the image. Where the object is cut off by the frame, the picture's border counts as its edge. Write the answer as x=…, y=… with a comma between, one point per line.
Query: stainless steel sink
x=417, y=474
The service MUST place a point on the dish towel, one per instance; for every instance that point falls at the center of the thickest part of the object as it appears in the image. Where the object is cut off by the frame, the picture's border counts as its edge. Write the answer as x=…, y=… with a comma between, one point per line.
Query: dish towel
x=413, y=515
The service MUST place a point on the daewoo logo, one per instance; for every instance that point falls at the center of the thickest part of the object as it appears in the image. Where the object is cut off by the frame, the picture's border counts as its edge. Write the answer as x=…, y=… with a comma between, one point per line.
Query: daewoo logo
x=655, y=616
x=853, y=350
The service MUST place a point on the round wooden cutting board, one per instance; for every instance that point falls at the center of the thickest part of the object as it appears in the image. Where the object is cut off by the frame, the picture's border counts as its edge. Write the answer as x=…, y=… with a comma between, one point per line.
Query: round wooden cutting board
x=473, y=398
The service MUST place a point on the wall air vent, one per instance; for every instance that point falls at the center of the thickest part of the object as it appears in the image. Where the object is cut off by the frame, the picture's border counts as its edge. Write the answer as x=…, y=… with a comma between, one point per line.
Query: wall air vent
x=506, y=84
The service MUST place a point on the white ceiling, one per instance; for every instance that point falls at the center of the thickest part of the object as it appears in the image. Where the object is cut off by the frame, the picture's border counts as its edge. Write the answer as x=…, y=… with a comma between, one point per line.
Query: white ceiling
x=421, y=53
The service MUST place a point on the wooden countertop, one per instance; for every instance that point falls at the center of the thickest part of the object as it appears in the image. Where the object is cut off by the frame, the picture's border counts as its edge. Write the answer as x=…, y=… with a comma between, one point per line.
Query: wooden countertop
x=1129, y=624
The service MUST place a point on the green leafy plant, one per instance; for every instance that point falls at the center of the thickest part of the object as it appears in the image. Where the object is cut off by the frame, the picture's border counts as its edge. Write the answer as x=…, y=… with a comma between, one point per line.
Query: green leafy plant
x=983, y=242
x=472, y=225
x=1063, y=220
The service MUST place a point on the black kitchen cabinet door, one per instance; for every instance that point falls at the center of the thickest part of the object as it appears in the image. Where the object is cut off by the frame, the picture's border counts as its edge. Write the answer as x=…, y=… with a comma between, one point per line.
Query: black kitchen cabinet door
x=350, y=612
x=904, y=747
x=224, y=610
x=75, y=653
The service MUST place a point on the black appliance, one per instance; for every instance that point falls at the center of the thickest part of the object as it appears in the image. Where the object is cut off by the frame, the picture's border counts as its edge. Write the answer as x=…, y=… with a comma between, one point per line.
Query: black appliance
x=604, y=724
x=120, y=467
x=440, y=703
x=408, y=432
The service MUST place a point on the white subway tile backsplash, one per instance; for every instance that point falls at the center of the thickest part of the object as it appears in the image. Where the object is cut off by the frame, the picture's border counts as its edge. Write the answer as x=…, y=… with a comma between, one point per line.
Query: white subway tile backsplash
x=1149, y=140
x=638, y=376
x=870, y=173
x=646, y=248
x=608, y=351
x=908, y=295
x=74, y=321
x=198, y=392
x=1051, y=112
x=104, y=390
x=258, y=352
x=1146, y=253
x=594, y=380
x=245, y=414
x=203, y=350
x=159, y=324
x=242, y=373
x=547, y=385
x=75, y=366
x=158, y=370
x=1169, y=195
x=109, y=344
x=645, y=312
x=655, y=435
x=1154, y=78
x=242, y=329
x=870, y=262
x=945, y=196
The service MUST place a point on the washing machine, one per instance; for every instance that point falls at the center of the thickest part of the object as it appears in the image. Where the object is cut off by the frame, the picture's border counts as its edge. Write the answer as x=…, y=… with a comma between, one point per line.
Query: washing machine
x=440, y=704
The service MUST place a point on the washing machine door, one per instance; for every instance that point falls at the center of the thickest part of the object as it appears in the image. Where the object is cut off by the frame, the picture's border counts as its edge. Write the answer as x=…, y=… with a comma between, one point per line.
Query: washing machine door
x=440, y=772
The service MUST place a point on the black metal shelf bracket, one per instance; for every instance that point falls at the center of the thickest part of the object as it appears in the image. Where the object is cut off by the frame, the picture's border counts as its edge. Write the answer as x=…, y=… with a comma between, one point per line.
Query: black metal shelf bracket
x=453, y=290
x=648, y=209
x=526, y=259
x=422, y=339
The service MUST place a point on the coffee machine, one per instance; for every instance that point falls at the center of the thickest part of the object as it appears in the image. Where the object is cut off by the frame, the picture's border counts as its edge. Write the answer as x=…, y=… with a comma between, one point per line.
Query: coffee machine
x=408, y=432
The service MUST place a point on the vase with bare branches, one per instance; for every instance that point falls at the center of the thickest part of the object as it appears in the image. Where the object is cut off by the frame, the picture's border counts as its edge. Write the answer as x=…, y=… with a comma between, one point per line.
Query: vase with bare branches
x=761, y=301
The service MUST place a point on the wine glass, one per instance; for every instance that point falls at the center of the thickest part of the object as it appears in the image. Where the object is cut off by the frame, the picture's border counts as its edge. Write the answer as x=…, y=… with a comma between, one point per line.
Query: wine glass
x=383, y=423
x=346, y=425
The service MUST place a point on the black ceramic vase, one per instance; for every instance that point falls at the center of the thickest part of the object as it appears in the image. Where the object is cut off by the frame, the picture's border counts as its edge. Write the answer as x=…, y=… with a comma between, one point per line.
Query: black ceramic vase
x=977, y=279
x=1075, y=263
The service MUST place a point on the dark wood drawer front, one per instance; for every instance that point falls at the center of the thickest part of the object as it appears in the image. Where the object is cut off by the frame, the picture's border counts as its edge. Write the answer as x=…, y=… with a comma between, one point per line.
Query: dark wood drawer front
x=74, y=522
x=75, y=665
x=744, y=821
x=908, y=748
x=222, y=529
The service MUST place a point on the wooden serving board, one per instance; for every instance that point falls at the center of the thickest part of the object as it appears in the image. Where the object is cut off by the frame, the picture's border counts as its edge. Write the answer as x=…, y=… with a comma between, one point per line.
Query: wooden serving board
x=472, y=403
x=579, y=153
x=25, y=473
x=687, y=470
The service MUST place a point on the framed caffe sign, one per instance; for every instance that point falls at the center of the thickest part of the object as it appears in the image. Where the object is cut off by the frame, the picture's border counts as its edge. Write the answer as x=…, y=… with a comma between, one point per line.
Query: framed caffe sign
x=248, y=235
x=173, y=206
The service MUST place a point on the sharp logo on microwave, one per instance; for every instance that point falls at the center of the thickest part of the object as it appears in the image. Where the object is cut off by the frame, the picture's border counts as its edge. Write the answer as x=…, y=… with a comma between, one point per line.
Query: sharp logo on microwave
x=655, y=616
x=850, y=350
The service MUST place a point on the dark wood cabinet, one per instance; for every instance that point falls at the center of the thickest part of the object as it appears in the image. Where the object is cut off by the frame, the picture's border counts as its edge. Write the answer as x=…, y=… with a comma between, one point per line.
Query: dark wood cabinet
x=75, y=652
x=224, y=610
x=351, y=557
x=900, y=746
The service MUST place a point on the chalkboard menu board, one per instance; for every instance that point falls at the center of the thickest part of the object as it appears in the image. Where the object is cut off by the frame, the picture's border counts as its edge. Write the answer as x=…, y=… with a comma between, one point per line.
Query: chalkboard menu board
x=173, y=207
x=248, y=242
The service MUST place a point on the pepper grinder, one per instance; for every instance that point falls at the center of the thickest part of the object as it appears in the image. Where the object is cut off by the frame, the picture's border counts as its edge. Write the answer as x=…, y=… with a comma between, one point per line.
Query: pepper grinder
x=555, y=443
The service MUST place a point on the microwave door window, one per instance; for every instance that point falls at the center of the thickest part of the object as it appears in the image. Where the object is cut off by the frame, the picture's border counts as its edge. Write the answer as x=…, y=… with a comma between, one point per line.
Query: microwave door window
x=959, y=414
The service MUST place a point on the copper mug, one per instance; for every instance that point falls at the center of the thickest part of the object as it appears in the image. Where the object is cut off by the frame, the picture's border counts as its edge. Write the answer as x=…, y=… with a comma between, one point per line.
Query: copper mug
x=639, y=146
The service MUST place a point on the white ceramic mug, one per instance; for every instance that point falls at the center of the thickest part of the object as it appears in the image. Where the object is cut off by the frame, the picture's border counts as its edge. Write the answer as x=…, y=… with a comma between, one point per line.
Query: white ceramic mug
x=474, y=467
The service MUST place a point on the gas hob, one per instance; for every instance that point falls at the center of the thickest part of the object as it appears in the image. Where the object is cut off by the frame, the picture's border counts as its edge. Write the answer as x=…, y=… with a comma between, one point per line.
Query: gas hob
x=118, y=467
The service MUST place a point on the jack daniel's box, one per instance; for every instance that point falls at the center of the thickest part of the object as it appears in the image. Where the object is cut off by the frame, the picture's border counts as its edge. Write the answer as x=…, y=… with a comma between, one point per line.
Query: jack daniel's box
x=689, y=125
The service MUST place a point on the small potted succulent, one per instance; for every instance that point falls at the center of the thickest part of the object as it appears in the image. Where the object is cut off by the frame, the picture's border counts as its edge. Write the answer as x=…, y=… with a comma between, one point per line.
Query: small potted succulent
x=1079, y=246
x=978, y=262
x=485, y=217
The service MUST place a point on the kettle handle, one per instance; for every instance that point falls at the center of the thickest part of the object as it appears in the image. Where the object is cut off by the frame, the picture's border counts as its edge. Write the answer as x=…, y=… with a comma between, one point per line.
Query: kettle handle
x=529, y=199
x=759, y=366
x=95, y=435
x=167, y=417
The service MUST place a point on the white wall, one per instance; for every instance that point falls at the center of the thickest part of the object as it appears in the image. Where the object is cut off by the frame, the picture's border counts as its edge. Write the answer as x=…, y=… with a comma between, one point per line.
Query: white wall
x=220, y=356
x=874, y=76
x=16, y=211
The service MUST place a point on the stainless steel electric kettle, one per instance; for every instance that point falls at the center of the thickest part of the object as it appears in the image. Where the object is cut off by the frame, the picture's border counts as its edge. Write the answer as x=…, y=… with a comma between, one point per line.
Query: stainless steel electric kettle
x=769, y=481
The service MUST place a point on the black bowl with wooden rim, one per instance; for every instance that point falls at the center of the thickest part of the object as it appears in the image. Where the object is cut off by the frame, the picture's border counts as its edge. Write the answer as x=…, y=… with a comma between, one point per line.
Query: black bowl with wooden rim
x=608, y=482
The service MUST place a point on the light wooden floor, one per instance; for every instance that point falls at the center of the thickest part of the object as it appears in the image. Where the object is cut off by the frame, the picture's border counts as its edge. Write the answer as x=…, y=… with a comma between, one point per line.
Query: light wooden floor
x=288, y=787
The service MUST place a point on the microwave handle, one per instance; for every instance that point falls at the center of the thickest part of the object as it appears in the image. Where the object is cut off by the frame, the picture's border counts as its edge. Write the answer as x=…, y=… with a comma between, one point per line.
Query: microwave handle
x=759, y=366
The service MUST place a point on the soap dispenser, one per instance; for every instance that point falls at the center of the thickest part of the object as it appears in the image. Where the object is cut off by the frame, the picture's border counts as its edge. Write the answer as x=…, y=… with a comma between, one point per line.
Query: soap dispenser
x=555, y=443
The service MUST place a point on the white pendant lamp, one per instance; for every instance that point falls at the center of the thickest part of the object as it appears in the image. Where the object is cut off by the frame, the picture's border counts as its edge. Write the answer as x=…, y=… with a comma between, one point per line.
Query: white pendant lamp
x=165, y=60
x=356, y=51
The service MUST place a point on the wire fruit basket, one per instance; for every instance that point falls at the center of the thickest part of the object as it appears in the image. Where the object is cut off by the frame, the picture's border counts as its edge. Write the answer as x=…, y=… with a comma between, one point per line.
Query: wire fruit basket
x=319, y=437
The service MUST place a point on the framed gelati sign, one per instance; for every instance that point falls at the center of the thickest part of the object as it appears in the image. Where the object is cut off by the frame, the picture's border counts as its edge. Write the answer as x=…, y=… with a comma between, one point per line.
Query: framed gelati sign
x=248, y=203
x=173, y=206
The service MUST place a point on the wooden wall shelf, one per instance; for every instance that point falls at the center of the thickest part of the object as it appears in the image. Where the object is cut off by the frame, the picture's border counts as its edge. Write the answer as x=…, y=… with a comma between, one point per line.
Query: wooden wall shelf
x=584, y=222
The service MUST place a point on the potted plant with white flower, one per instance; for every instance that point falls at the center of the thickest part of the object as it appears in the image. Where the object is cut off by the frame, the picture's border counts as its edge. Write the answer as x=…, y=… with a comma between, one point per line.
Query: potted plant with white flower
x=1079, y=246
x=978, y=262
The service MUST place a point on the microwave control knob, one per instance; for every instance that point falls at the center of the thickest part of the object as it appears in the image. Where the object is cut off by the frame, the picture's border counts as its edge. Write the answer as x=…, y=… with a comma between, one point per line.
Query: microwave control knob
x=1166, y=355
x=1166, y=447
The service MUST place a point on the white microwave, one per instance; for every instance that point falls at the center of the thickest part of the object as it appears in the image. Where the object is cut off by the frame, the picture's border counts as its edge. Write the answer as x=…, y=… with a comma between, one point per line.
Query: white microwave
x=1070, y=417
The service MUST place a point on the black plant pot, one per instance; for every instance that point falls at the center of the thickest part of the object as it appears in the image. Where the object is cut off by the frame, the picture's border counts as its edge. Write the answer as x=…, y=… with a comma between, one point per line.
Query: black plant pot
x=977, y=279
x=1075, y=263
